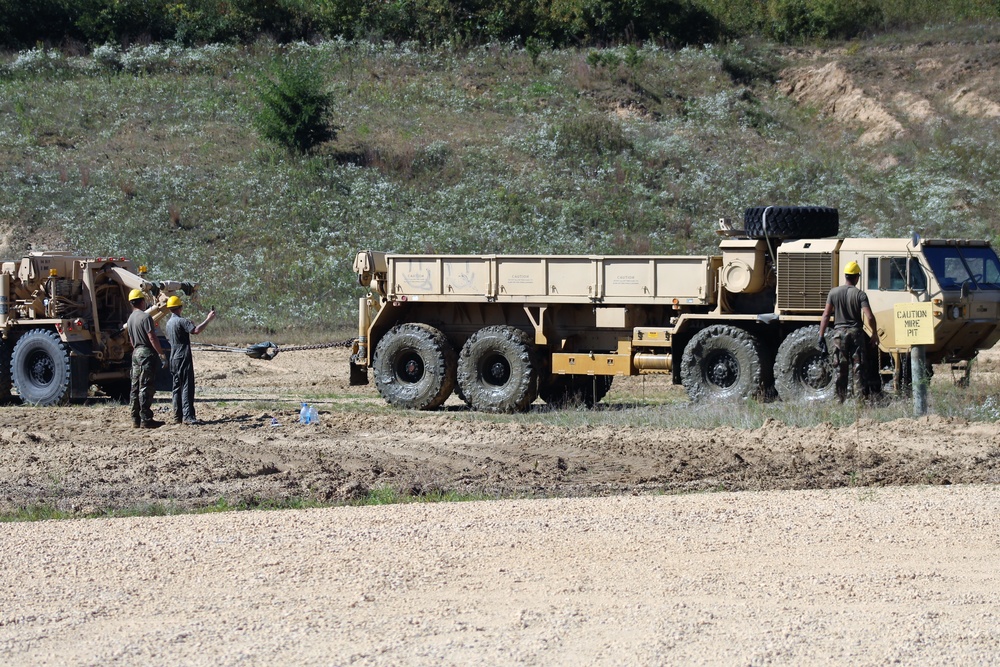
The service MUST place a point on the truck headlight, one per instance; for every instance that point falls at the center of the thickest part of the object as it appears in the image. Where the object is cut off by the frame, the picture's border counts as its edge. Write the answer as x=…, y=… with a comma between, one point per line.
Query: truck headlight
x=956, y=312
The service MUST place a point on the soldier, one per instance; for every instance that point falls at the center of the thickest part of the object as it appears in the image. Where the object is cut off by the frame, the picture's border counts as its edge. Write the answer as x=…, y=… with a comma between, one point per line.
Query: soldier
x=147, y=355
x=179, y=330
x=849, y=305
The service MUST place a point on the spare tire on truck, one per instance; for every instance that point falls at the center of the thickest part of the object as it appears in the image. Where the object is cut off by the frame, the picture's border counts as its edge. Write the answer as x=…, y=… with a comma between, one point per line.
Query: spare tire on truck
x=791, y=222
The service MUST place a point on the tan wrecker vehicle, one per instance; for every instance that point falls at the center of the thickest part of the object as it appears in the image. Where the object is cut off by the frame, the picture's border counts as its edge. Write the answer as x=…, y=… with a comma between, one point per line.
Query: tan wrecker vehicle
x=503, y=330
x=62, y=323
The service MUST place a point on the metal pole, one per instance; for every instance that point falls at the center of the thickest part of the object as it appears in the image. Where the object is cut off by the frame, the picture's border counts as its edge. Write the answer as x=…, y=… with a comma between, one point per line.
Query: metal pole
x=919, y=379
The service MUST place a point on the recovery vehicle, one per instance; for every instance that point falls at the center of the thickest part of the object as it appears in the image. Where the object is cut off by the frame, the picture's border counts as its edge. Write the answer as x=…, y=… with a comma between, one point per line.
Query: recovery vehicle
x=62, y=324
x=503, y=330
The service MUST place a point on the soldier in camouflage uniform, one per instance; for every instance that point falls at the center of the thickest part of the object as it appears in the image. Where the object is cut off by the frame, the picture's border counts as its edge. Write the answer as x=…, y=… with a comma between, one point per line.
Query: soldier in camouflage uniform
x=147, y=355
x=849, y=306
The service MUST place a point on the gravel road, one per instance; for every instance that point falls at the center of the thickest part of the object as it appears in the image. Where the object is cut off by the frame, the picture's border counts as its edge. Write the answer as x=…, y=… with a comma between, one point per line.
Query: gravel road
x=848, y=576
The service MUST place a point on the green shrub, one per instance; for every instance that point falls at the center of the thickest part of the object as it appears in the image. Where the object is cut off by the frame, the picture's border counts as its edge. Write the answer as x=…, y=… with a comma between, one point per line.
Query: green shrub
x=746, y=66
x=602, y=21
x=24, y=23
x=608, y=59
x=802, y=19
x=534, y=47
x=294, y=108
x=591, y=135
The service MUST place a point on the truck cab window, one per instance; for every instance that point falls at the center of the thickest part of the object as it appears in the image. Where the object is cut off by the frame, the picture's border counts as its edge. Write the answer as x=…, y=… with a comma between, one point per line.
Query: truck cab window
x=889, y=274
x=975, y=266
x=918, y=279
x=897, y=274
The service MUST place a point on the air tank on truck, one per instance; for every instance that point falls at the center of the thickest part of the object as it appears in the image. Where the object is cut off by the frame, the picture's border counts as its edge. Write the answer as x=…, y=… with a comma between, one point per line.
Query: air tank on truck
x=504, y=330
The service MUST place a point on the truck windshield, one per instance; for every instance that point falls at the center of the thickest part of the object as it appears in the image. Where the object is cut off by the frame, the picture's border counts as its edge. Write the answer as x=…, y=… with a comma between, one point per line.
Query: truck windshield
x=956, y=266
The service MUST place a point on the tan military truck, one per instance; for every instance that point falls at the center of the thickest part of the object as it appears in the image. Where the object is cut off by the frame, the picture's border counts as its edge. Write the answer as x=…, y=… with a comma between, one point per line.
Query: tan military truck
x=62, y=321
x=503, y=330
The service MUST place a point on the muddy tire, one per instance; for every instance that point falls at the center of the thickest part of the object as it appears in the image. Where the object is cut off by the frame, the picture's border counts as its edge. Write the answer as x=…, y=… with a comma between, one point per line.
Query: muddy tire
x=722, y=363
x=498, y=370
x=40, y=368
x=414, y=367
x=566, y=390
x=801, y=371
x=791, y=222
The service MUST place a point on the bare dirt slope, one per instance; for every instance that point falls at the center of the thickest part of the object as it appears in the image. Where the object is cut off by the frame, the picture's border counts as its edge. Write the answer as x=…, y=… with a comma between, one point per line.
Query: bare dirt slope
x=88, y=457
x=885, y=91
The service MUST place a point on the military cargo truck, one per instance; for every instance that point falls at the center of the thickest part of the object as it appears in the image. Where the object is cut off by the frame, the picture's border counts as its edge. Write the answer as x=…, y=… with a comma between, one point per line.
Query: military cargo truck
x=503, y=330
x=62, y=324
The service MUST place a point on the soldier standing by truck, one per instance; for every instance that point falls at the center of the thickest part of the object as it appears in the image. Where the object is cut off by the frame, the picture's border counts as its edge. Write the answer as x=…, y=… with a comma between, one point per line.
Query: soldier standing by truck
x=849, y=306
x=147, y=355
x=179, y=330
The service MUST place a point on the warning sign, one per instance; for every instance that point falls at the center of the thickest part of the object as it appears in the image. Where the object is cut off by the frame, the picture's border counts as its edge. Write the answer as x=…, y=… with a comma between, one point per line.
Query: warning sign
x=914, y=324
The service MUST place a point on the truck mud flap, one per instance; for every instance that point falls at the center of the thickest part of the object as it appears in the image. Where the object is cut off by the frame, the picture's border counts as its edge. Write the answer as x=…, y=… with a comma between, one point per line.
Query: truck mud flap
x=359, y=375
x=79, y=378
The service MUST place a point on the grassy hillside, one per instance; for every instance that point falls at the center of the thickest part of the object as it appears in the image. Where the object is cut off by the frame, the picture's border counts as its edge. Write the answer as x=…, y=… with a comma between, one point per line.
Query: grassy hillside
x=148, y=153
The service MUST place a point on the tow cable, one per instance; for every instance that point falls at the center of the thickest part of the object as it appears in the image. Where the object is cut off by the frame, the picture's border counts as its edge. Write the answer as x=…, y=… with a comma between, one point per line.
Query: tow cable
x=268, y=350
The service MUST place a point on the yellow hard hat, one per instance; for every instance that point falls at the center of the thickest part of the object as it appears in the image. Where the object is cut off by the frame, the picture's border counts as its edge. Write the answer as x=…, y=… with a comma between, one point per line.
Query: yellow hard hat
x=136, y=294
x=852, y=269
x=174, y=302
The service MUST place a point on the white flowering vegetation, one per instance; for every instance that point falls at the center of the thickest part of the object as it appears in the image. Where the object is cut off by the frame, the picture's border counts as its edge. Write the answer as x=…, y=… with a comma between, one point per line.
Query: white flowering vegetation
x=147, y=152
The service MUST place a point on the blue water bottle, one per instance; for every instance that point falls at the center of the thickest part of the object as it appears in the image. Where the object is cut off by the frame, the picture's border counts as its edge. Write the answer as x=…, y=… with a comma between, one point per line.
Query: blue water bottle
x=304, y=414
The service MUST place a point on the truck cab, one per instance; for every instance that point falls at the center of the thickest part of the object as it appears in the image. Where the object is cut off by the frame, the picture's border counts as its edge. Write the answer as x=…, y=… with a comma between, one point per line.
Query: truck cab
x=960, y=278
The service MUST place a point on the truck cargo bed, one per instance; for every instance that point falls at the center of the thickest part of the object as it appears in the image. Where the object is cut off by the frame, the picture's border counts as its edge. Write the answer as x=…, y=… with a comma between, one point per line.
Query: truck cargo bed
x=563, y=279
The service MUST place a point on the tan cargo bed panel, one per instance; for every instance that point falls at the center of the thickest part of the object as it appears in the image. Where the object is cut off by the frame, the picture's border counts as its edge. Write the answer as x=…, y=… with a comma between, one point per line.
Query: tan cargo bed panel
x=567, y=278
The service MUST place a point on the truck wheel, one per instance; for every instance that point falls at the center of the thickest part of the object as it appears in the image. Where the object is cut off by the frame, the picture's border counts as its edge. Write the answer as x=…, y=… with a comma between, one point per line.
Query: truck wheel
x=791, y=222
x=414, y=367
x=498, y=371
x=40, y=368
x=801, y=371
x=721, y=362
x=562, y=390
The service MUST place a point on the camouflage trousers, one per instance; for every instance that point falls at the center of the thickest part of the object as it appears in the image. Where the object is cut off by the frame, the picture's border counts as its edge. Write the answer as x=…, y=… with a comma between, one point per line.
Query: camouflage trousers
x=145, y=366
x=850, y=361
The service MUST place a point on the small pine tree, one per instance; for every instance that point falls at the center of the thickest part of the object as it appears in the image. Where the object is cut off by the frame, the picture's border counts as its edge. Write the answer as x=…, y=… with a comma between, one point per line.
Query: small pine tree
x=294, y=109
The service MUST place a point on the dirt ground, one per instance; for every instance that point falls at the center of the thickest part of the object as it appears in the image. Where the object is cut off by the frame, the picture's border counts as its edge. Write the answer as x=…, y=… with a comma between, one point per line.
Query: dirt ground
x=783, y=571
x=86, y=458
x=900, y=575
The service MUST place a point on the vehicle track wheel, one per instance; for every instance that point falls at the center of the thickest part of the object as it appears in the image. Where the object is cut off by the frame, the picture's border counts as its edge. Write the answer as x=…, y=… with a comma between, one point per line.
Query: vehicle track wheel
x=40, y=368
x=791, y=222
x=414, y=367
x=498, y=370
x=566, y=390
x=801, y=371
x=722, y=362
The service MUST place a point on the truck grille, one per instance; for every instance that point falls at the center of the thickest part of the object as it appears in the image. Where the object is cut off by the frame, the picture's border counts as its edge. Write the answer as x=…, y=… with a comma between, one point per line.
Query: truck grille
x=804, y=280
